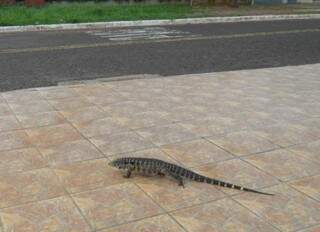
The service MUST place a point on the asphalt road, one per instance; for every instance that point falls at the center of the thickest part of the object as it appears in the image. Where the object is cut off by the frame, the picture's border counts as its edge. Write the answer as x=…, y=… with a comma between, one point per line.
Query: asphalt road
x=33, y=59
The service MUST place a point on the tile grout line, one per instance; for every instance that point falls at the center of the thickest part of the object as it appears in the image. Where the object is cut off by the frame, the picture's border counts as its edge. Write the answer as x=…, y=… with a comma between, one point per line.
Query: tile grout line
x=160, y=149
x=76, y=129
x=308, y=227
x=269, y=174
x=44, y=159
x=155, y=202
x=218, y=189
x=108, y=115
x=170, y=156
x=302, y=156
x=240, y=158
x=305, y=194
x=279, y=184
x=225, y=196
x=175, y=220
x=132, y=221
x=47, y=167
x=66, y=122
x=32, y=202
x=67, y=192
x=170, y=211
x=167, y=154
x=81, y=213
x=261, y=217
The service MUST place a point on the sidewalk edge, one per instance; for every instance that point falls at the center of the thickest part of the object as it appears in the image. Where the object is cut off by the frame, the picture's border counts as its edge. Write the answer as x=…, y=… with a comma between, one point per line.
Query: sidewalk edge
x=99, y=25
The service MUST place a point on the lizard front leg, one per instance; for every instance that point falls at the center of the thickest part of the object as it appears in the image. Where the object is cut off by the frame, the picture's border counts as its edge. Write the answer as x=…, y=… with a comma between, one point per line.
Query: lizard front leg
x=128, y=172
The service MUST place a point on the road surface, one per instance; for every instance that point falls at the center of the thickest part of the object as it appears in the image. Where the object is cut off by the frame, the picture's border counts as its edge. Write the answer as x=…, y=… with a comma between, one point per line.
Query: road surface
x=33, y=59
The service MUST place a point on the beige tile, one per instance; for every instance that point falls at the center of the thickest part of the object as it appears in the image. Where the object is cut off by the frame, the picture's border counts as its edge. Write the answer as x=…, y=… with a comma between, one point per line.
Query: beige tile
x=58, y=92
x=222, y=215
x=146, y=118
x=84, y=114
x=13, y=140
x=183, y=113
x=36, y=106
x=287, y=135
x=70, y=152
x=120, y=143
x=70, y=103
x=311, y=229
x=25, y=95
x=115, y=205
x=284, y=164
x=2, y=100
x=309, y=186
x=141, y=95
x=170, y=196
x=88, y=175
x=287, y=113
x=35, y=185
x=40, y=119
x=58, y=214
x=162, y=223
x=309, y=150
x=128, y=108
x=20, y=160
x=52, y=135
x=91, y=89
x=312, y=108
x=253, y=119
x=312, y=125
x=210, y=127
x=105, y=99
x=103, y=126
x=243, y=143
x=9, y=122
x=162, y=135
x=288, y=209
x=237, y=172
x=196, y=152
x=4, y=109
x=165, y=103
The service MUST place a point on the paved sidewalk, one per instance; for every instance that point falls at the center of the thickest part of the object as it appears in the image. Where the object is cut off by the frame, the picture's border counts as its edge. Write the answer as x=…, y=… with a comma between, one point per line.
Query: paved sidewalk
x=257, y=128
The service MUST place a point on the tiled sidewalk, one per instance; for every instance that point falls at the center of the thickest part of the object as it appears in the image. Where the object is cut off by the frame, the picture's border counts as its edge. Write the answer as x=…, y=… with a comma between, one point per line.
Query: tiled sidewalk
x=258, y=128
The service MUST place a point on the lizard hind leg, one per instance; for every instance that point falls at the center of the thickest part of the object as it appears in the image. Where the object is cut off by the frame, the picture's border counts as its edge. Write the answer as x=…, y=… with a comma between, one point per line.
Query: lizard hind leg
x=178, y=178
x=161, y=174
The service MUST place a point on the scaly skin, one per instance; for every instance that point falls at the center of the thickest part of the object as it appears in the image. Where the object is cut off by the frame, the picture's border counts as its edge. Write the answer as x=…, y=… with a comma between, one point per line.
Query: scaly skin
x=162, y=168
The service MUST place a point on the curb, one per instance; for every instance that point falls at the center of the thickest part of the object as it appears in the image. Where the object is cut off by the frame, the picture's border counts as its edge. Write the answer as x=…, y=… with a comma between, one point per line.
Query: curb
x=100, y=25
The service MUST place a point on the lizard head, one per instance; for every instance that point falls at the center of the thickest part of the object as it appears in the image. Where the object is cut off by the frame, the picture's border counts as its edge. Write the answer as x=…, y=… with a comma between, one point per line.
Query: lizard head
x=117, y=163
x=113, y=163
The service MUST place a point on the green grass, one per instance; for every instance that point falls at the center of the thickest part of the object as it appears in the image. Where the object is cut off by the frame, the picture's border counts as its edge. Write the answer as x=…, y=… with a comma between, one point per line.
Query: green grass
x=88, y=12
x=77, y=12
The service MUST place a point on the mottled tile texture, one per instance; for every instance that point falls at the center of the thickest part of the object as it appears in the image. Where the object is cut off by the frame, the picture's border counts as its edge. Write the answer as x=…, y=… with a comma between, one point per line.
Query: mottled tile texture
x=255, y=128
x=114, y=205
x=162, y=223
x=59, y=214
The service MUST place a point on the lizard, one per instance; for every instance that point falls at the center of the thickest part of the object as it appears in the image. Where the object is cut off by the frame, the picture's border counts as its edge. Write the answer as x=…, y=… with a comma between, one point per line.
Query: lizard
x=162, y=168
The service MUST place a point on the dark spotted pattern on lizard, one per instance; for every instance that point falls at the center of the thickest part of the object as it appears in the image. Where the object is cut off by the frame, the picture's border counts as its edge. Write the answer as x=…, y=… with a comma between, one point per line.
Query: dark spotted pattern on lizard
x=162, y=168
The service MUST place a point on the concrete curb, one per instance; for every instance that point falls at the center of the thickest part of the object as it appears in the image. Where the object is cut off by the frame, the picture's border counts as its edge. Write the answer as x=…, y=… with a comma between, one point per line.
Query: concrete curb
x=156, y=22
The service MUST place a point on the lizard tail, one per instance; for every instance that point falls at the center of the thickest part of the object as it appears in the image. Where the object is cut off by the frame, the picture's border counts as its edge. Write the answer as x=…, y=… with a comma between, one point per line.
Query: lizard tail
x=208, y=180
